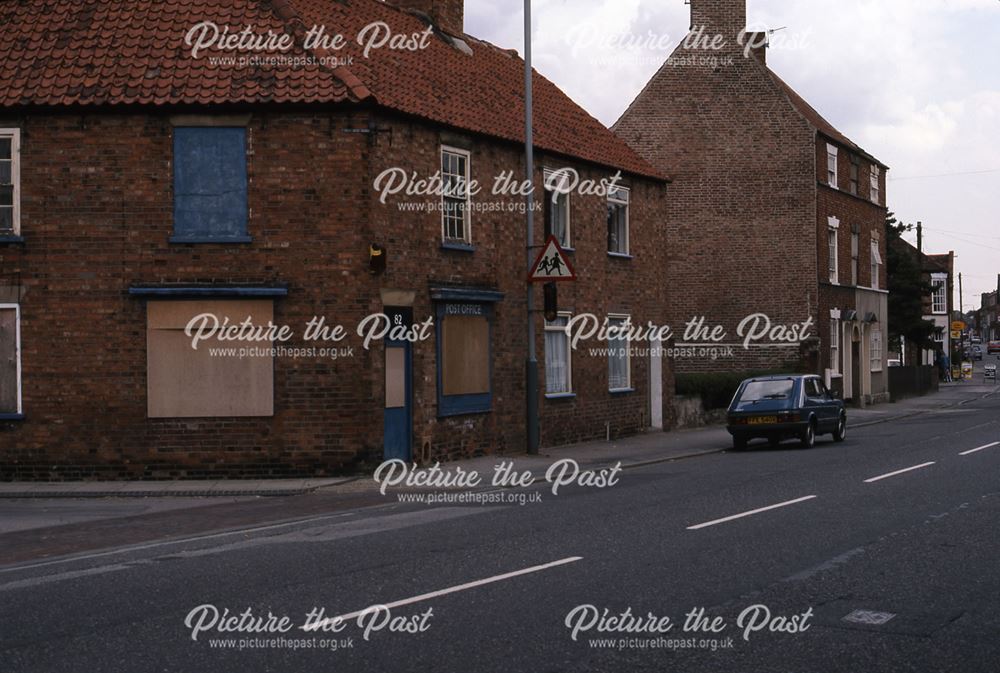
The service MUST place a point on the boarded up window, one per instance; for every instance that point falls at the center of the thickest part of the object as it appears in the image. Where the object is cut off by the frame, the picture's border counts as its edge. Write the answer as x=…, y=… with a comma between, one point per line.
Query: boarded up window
x=217, y=379
x=210, y=183
x=465, y=349
x=10, y=385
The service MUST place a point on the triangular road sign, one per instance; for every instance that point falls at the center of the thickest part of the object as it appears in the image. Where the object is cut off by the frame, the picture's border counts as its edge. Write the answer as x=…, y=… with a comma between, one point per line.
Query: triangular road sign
x=552, y=264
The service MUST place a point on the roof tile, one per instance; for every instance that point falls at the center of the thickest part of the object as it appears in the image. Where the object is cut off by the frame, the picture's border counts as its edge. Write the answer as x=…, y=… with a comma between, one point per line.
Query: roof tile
x=94, y=52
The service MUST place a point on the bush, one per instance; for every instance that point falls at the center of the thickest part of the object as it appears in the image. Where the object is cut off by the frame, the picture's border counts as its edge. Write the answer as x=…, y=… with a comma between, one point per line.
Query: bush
x=716, y=388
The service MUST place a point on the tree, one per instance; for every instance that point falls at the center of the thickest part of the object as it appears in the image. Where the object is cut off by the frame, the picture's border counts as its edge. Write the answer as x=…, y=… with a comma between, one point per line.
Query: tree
x=907, y=289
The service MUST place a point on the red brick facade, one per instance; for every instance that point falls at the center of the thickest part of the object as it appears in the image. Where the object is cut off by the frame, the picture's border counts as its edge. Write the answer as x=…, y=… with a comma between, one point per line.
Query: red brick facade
x=96, y=218
x=749, y=207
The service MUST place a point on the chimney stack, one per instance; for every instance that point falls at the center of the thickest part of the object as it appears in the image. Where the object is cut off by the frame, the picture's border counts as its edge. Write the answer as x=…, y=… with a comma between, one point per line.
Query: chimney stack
x=725, y=17
x=920, y=237
x=448, y=15
x=757, y=41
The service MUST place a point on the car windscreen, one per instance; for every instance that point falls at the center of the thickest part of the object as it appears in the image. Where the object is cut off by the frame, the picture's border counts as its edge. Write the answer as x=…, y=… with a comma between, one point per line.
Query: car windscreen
x=767, y=390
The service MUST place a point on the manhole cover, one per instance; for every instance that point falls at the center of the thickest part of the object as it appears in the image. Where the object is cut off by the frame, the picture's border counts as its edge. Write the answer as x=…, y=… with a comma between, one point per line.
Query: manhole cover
x=869, y=617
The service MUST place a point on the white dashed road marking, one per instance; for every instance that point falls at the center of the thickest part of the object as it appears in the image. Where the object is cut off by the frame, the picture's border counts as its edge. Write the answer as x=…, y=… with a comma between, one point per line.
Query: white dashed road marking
x=751, y=512
x=979, y=448
x=893, y=474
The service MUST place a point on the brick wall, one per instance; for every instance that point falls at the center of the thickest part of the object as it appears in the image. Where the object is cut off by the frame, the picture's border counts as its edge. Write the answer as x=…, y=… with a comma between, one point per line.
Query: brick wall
x=741, y=210
x=97, y=213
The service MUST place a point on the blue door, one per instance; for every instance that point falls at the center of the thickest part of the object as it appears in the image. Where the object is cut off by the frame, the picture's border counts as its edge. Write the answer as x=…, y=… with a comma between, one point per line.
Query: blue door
x=398, y=418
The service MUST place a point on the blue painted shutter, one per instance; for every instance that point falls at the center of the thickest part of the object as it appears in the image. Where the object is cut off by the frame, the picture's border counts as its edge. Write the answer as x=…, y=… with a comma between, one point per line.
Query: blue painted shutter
x=210, y=183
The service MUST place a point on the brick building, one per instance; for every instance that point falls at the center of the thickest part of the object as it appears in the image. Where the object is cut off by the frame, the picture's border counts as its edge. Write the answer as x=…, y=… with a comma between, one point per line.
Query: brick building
x=142, y=185
x=937, y=276
x=939, y=304
x=772, y=209
x=988, y=316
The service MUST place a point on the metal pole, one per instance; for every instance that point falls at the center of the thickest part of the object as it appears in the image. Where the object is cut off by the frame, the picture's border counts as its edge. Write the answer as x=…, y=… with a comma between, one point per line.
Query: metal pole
x=531, y=364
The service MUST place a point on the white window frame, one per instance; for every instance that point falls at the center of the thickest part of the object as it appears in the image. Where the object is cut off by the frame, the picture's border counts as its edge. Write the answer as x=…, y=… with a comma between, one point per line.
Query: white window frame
x=876, y=264
x=17, y=352
x=548, y=172
x=875, y=350
x=626, y=201
x=854, y=176
x=625, y=317
x=15, y=174
x=833, y=251
x=467, y=211
x=832, y=153
x=876, y=190
x=549, y=327
x=939, y=282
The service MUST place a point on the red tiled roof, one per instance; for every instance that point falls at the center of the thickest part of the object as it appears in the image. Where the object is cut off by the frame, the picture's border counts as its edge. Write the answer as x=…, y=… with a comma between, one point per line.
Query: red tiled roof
x=100, y=52
x=938, y=262
x=817, y=120
x=89, y=52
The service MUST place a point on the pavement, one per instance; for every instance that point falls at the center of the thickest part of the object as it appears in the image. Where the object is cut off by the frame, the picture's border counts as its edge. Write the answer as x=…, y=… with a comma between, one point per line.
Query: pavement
x=634, y=451
x=876, y=554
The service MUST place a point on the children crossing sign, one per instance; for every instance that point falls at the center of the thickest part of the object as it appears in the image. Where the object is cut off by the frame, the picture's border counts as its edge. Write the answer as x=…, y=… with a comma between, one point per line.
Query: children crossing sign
x=552, y=264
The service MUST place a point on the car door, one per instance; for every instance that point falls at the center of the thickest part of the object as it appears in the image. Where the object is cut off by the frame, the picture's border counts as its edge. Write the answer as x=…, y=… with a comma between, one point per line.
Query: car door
x=819, y=404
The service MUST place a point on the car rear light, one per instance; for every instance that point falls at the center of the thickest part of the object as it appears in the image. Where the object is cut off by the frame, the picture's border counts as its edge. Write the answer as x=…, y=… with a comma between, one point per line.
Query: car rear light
x=788, y=417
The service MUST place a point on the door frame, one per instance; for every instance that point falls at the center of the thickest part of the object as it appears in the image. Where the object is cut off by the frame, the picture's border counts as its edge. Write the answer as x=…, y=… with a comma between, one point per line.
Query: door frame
x=405, y=314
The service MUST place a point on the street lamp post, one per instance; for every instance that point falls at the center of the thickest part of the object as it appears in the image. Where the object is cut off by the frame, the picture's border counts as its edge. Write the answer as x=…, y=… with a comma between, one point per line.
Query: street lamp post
x=531, y=363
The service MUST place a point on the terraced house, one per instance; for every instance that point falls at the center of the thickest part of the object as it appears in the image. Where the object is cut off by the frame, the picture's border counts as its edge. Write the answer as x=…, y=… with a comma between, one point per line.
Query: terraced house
x=772, y=209
x=143, y=185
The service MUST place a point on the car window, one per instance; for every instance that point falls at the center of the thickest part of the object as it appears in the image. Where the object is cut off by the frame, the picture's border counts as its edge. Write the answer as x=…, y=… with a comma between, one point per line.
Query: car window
x=812, y=388
x=767, y=390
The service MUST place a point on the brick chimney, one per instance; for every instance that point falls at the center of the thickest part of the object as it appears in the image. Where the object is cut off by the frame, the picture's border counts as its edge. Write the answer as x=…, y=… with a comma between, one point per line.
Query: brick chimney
x=757, y=42
x=726, y=17
x=448, y=15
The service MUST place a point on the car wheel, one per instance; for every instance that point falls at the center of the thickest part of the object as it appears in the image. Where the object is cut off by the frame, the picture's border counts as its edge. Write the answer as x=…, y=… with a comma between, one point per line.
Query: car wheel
x=739, y=443
x=841, y=432
x=809, y=436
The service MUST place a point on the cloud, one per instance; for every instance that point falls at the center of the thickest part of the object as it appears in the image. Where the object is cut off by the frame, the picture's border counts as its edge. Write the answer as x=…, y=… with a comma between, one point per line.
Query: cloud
x=915, y=82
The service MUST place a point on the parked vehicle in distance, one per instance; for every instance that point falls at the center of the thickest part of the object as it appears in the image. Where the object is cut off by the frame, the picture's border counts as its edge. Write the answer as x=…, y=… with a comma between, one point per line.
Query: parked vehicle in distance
x=894, y=362
x=977, y=352
x=782, y=407
x=993, y=347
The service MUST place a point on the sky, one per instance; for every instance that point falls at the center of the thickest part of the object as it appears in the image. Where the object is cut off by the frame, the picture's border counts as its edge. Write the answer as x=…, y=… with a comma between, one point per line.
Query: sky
x=916, y=83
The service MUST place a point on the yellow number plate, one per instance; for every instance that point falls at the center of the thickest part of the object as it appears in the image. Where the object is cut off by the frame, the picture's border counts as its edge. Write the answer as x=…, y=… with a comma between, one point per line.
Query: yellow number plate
x=763, y=420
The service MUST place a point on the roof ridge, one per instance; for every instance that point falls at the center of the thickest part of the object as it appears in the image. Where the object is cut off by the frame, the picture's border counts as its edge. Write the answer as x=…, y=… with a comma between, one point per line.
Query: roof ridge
x=296, y=27
x=831, y=131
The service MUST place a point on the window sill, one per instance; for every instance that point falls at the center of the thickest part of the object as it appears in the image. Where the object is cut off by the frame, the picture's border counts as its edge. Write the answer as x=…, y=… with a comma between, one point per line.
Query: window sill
x=11, y=417
x=560, y=396
x=463, y=412
x=206, y=239
x=210, y=291
x=460, y=247
x=11, y=239
x=619, y=255
x=622, y=391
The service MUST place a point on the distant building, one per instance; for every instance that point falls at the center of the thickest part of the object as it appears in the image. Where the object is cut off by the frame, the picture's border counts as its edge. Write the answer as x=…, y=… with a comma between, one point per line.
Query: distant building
x=988, y=316
x=771, y=208
x=939, y=273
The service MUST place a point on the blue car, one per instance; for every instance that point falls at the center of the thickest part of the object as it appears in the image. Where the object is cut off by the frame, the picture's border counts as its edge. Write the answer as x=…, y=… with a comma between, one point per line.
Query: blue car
x=784, y=407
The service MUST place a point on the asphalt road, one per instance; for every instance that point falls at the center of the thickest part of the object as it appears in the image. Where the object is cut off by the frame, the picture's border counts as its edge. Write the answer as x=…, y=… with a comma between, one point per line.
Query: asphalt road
x=808, y=537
